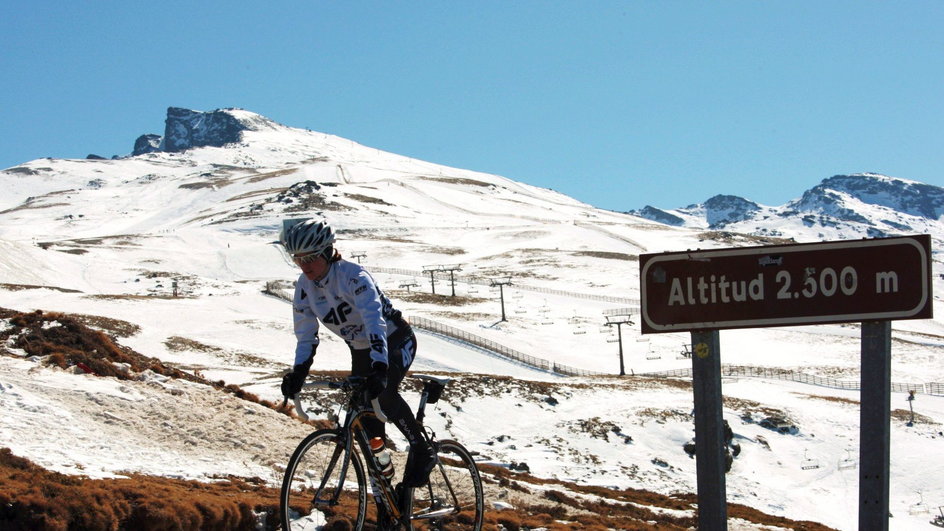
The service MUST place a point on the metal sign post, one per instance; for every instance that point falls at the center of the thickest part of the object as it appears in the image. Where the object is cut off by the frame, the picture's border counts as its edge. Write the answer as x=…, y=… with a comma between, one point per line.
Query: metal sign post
x=870, y=281
x=875, y=425
x=709, y=435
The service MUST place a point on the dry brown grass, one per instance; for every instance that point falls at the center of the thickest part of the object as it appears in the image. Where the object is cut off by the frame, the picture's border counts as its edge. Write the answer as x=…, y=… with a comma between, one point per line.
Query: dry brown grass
x=32, y=498
x=455, y=180
x=20, y=287
x=271, y=175
x=904, y=415
x=573, y=506
x=66, y=342
x=367, y=199
x=608, y=255
x=36, y=499
x=834, y=399
x=439, y=299
x=256, y=193
x=133, y=297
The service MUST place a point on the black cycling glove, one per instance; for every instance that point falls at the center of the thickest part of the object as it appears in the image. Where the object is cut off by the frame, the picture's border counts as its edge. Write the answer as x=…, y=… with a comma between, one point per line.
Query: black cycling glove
x=376, y=380
x=293, y=381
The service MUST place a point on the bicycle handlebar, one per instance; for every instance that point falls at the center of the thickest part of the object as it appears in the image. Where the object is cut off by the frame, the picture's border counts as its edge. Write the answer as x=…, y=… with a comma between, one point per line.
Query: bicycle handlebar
x=300, y=409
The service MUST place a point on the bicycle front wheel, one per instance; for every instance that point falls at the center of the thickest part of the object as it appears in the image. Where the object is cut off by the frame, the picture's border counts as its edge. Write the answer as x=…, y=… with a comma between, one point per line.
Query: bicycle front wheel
x=453, y=499
x=323, y=484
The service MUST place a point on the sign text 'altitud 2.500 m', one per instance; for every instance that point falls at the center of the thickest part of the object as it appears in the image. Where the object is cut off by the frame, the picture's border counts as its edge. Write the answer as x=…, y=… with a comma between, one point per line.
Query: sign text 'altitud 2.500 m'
x=829, y=282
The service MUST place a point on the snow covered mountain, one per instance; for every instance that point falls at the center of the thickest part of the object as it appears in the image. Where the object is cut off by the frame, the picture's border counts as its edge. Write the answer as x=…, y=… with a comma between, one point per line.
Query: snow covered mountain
x=174, y=243
x=840, y=207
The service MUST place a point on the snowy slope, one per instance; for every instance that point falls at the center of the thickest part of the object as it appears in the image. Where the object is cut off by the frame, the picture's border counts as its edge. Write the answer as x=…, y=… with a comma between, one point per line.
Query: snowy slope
x=110, y=237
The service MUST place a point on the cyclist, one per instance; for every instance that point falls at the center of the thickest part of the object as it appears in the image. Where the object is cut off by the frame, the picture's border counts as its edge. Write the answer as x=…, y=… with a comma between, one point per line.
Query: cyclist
x=343, y=297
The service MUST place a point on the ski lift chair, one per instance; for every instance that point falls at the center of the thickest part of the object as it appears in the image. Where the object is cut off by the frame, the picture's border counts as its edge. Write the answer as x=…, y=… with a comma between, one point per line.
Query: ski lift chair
x=847, y=462
x=808, y=464
x=920, y=507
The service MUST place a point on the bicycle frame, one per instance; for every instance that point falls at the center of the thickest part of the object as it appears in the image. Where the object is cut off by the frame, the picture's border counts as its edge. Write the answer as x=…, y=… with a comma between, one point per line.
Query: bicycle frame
x=352, y=428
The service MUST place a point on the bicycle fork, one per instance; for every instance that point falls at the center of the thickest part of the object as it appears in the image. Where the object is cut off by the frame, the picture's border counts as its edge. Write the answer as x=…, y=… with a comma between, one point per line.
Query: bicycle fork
x=336, y=456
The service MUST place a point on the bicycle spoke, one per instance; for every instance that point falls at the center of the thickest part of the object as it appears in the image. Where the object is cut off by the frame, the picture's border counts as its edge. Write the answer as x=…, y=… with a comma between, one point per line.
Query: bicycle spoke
x=320, y=486
x=453, y=499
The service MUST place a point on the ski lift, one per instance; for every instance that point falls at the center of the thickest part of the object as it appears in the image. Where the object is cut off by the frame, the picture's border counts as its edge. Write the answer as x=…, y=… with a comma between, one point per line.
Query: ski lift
x=612, y=339
x=847, y=462
x=920, y=507
x=650, y=355
x=808, y=464
x=579, y=327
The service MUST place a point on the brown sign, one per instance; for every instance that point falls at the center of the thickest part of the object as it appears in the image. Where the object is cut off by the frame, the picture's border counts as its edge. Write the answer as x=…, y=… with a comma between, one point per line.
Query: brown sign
x=784, y=285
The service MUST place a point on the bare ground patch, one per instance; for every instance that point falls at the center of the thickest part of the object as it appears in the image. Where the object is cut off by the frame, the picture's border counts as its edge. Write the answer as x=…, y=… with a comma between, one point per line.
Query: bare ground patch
x=183, y=344
x=19, y=287
x=430, y=298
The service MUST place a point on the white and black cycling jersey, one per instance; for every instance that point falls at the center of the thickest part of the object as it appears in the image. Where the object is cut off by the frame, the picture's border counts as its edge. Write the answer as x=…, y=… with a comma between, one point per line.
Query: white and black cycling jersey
x=350, y=304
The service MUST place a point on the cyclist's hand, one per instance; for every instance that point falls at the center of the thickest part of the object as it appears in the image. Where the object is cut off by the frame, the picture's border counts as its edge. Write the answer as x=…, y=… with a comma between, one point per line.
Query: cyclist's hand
x=376, y=380
x=292, y=382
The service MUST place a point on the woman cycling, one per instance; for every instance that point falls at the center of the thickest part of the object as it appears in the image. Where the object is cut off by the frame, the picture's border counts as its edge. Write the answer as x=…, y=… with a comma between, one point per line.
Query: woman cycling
x=343, y=297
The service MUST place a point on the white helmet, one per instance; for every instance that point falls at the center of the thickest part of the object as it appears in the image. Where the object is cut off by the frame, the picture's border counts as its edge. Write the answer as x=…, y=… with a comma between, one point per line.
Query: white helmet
x=307, y=236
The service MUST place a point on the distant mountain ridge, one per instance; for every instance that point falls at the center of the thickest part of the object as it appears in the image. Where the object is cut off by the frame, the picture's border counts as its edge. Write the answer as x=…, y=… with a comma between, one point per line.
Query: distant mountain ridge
x=229, y=149
x=857, y=205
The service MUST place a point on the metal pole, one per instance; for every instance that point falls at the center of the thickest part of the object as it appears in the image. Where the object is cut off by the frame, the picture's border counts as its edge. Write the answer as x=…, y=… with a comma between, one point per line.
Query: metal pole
x=432, y=281
x=911, y=397
x=501, y=293
x=452, y=280
x=709, y=435
x=875, y=425
x=619, y=335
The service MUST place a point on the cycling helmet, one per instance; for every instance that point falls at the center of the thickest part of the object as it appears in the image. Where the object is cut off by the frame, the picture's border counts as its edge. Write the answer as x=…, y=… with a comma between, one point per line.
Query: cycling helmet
x=307, y=236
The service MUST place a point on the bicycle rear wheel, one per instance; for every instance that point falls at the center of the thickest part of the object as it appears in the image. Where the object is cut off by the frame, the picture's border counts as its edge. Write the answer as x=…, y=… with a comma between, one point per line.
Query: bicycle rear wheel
x=319, y=488
x=453, y=499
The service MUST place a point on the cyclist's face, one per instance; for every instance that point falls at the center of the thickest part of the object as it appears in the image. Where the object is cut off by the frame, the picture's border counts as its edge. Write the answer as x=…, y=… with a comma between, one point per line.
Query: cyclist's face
x=314, y=267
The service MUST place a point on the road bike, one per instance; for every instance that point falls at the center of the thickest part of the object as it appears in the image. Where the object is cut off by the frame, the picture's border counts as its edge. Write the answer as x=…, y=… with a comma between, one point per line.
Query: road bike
x=332, y=471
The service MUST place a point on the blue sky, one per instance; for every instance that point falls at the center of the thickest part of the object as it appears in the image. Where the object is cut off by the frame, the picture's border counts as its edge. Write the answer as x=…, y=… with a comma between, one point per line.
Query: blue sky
x=616, y=103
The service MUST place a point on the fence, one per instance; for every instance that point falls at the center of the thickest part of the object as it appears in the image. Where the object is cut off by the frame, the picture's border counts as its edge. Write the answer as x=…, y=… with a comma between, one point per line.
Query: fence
x=932, y=388
x=487, y=344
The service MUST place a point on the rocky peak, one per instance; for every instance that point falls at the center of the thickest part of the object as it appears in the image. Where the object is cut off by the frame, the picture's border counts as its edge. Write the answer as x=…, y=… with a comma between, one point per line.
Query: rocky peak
x=185, y=129
x=721, y=210
x=661, y=216
x=146, y=144
x=910, y=197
